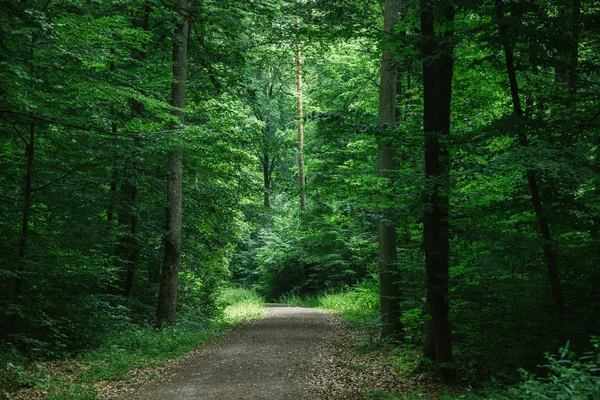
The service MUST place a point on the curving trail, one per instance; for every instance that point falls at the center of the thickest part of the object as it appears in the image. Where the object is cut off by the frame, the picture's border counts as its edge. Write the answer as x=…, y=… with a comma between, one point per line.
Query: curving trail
x=292, y=353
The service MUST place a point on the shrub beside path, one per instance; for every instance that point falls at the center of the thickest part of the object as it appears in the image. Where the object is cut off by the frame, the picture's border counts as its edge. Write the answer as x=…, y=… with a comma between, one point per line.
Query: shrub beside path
x=292, y=353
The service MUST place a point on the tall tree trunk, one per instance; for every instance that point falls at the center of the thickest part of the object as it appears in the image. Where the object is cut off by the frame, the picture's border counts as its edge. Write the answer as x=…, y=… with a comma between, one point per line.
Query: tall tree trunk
x=301, y=177
x=27, y=192
x=167, y=297
x=549, y=246
x=266, y=177
x=112, y=200
x=389, y=286
x=437, y=91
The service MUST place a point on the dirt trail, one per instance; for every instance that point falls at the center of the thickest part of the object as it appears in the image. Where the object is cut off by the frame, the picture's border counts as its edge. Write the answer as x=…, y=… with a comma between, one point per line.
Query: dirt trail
x=292, y=353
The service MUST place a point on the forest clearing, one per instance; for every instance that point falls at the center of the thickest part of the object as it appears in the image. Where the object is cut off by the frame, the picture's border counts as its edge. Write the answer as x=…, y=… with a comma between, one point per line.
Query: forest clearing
x=417, y=180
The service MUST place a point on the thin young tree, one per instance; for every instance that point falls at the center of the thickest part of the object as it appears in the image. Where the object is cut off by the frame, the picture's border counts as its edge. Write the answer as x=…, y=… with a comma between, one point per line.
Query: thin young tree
x=301, y=177
x=549, y=245
x=167, y=297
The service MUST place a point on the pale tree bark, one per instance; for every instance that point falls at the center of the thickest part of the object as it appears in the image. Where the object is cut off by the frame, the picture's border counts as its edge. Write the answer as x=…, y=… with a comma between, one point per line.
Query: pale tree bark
x=549, y=246
x=167, y=298
x=301, y=177
x=389, y=287
x=437, y=93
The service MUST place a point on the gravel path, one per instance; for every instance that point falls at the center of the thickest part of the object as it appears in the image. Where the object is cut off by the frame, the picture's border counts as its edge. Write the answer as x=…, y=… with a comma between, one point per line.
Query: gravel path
x=292, y=353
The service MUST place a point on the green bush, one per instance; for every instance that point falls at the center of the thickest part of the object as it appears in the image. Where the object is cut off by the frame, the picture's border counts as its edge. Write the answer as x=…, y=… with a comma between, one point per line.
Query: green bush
x=569, y=378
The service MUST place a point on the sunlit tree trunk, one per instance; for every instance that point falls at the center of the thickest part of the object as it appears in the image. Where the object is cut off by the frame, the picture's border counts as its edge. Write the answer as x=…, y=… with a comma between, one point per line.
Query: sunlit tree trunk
x=301, y=177
x=437, y=92
x=549, y=245
x=167, y=298
x=389, y=289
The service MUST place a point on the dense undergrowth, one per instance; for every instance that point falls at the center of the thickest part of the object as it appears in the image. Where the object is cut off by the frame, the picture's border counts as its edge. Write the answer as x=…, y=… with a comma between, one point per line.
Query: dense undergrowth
x=565, y=375
x=133, y=346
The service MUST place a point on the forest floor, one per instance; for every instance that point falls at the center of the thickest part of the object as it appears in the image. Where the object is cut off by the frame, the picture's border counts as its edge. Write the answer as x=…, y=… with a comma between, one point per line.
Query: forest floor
x=292, y=353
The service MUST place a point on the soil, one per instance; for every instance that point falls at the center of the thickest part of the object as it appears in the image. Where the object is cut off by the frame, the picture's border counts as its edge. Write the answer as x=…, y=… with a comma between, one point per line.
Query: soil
x=292, y=353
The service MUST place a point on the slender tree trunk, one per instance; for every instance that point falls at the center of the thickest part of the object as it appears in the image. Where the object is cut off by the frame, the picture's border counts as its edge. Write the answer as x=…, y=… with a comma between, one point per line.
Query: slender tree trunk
x=129, y=247
x=389, y=286
x=110, y=209
x=27, y=192
x=437, y=88
x=301, y=177
x=112, y=200
x=266, y=177
x=27, y=199
x=167, y=298
x=549, y=246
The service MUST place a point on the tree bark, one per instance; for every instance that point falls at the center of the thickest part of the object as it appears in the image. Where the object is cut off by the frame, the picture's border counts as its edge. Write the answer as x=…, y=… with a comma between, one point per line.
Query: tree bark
x=389, y=286
x=437, y=91
x=549, y=246
x=167, y=298
x=301, y=177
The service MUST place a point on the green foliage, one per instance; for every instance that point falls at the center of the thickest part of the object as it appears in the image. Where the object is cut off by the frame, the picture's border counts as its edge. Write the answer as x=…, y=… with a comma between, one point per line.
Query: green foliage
x=569, y=377
x=70, y=70
x=130, y=345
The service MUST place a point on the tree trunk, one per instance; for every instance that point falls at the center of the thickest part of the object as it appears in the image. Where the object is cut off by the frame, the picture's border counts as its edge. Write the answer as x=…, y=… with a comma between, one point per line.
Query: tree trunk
x=266, y=177
x=27, y=192
x=112, y=200
x=129, y=247
x=389, y=287
x=301, y=177
x=549, y=246
x=437, y=91
x=167, y=297
x=566, y=70
x=110, y=209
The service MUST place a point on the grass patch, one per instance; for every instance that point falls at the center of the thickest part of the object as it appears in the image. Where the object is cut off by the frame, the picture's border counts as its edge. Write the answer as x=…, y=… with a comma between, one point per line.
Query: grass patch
x=358, y=305
x=121, y=351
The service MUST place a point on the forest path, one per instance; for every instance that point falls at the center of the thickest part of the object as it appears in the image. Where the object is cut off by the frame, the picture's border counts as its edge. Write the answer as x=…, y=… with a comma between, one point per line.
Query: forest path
x=292, y=353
